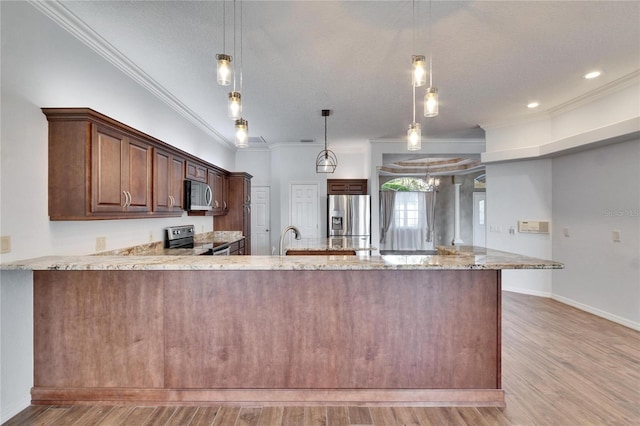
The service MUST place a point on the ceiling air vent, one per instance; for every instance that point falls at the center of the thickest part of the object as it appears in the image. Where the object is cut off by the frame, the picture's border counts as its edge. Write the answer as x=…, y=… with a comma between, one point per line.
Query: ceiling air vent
x=257, y=140
x=307, y=140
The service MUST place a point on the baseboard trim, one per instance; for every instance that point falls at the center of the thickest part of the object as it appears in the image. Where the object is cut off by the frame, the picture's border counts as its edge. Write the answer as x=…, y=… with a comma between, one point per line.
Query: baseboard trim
x=578, y=305
x=598, y=312
x=265, y=397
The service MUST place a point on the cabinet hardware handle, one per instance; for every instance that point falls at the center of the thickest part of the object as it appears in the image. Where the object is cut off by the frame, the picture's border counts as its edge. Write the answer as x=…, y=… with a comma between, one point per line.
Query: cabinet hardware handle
x=217, y=204
x=225, y=205
x=209, y=195
x=129, y=194
x=127, y=199
x=171, y=201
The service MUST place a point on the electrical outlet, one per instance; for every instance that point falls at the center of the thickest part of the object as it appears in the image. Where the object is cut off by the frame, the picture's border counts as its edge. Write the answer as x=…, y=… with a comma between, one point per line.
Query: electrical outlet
x=566, y=232
x=101, y=243
x=150, y=236
x=616, y=236
x=5, y=244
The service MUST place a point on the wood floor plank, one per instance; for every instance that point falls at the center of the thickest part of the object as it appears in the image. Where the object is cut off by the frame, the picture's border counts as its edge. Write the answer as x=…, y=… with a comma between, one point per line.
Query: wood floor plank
x=182, y=416
x=226, y=416
x=139, y=415
x=116, y=416
x=160, y=416
x=248, y=416
x=494, y=416
x=405, y=416
x=271, y=416
x=92, y=417
x=471, y=416
x=315, y=416
x=293, y=416
x=204, y=416
x=428, y=416
x=337, y=416
x=359, y=416
x=382, y=416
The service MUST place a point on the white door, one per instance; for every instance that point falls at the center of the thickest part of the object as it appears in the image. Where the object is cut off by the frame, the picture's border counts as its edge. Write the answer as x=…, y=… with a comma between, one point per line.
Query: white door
x=479, y=219
x=305, y=213
x=260, y=223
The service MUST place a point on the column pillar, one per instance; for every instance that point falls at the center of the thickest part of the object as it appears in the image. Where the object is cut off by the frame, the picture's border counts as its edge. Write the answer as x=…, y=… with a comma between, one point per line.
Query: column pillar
x=456, y=223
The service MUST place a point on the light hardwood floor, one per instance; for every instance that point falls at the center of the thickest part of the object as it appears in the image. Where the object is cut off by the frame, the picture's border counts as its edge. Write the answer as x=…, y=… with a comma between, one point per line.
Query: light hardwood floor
x=560, y=366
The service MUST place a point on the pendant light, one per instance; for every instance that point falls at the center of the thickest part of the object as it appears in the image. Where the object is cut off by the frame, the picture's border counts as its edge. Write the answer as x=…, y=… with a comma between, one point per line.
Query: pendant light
x=234, y=107
x=431, y=94
x=242, y=133
x=224, y=60
x=326, y=162
x=419, y=72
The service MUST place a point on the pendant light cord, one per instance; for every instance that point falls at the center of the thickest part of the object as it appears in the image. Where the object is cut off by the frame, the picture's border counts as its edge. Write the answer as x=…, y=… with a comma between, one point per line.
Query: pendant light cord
x=240, y=45
x=430, y=50
x=234, y=41
x=224, y=26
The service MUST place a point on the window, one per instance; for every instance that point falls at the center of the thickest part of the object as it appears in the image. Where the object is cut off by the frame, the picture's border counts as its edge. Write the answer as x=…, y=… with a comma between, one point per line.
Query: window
x=406, y=211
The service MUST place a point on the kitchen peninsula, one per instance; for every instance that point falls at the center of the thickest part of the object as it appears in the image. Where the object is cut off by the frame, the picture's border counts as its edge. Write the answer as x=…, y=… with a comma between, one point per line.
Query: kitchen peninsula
x=392, y=330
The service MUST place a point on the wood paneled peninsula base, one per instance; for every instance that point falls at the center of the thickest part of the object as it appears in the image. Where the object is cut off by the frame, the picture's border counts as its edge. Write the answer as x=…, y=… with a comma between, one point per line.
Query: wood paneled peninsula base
x=387, y=336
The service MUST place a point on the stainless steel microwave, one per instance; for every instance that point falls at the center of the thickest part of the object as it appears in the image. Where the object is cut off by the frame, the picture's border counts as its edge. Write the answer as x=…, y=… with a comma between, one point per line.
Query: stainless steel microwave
x=197, y=195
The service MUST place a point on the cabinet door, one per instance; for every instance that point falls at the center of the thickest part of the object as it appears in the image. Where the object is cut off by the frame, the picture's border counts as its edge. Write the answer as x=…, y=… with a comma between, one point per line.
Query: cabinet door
x=176, y=183
x=347, y=186
x=214, y=180
x=138, y=176
x=196, y=171
x=168, y=178
x=108, y=152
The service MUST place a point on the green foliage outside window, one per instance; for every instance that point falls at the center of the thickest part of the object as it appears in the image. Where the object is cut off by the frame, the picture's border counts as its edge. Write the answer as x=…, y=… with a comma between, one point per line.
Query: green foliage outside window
x=405, y=184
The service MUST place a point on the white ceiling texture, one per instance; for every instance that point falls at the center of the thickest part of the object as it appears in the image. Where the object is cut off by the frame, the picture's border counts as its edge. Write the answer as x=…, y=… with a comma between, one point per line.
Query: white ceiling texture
x=490, y=59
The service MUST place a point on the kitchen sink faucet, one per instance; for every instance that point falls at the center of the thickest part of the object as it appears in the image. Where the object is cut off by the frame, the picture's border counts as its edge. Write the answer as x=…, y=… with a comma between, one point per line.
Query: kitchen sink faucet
x=296, y=233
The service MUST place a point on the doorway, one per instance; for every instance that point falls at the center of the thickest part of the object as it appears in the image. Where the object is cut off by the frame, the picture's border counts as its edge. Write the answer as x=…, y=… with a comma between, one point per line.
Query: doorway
x=260, y=220
x=304, y=211
x=479, y=219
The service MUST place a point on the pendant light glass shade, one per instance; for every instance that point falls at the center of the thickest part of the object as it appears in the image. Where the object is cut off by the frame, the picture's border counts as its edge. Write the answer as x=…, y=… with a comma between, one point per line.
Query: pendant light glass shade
x=431, y=102
x=326, y=161
x=419, y=71
x=414, y=137
x=234, y=109
x=242, y=133
x=224, y=69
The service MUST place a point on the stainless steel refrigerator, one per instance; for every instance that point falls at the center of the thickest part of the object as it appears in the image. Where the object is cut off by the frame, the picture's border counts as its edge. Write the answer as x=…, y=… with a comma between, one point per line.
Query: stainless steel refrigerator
x=349, y=216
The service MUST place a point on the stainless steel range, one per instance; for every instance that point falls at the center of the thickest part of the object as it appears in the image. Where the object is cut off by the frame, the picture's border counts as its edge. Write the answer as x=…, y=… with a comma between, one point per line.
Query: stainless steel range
x=183, y=237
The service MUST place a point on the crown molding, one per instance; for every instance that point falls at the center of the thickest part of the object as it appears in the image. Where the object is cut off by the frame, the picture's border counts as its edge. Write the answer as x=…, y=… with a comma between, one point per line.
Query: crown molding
x=62, y=16
x=614, y=86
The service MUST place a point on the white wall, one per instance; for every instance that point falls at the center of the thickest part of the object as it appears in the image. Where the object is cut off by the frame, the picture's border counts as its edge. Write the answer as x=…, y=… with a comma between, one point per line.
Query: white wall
x=520, y=191
x=594, y=193
x=585, y=156
x=44, y=66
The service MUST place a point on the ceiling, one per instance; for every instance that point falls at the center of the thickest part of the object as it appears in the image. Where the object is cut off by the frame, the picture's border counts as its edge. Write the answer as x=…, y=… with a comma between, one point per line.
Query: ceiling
x=490, y=59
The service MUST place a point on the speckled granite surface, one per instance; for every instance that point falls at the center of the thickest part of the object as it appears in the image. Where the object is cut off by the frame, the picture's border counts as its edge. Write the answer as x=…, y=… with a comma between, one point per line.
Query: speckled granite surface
x=202, y=244
x=331, y=244
x=461, y=258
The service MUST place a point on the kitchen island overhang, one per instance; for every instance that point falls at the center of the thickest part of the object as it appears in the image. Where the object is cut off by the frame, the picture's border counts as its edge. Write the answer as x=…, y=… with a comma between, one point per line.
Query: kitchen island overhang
x=383, y=331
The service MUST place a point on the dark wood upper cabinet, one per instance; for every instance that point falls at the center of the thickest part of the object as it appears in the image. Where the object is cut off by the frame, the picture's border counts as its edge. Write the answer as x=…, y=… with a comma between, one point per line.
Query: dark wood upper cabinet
x=168, y=181
x=347, y=187
x=100, y=168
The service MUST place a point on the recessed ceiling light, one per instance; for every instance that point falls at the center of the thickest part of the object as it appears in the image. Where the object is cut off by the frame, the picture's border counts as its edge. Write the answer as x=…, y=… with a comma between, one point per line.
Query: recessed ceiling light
x=592, y=74
x=533, y=104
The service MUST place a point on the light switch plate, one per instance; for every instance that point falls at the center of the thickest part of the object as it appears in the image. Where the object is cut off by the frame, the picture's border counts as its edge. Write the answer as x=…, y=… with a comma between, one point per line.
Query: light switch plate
x=5, y=244
x=616, y=236
x=565, y=231
x=101, y=243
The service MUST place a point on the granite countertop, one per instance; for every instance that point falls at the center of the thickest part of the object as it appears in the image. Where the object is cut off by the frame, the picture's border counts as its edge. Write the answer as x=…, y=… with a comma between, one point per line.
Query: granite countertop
x=203, y=242
x=459, y=258
x=331, y=244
